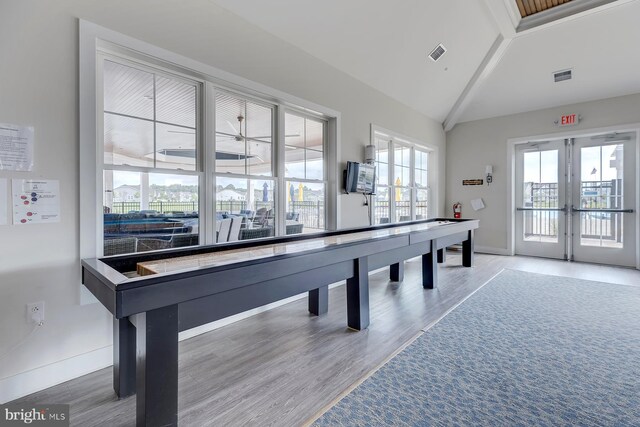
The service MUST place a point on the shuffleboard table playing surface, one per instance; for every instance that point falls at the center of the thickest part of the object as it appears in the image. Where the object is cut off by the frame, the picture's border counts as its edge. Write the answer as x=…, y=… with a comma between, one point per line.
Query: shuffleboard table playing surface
x=231, y=256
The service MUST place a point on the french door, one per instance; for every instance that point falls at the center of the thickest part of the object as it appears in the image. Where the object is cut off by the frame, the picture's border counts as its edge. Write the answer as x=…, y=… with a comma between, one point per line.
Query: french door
x=575, y=199
x=541, y=226
x=603, y=196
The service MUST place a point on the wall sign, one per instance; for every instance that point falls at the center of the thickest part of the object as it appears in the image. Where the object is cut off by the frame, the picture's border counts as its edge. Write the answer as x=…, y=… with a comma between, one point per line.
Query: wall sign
x=35, y=201
x=472, y=182
x=568, y=120
x=16, y=147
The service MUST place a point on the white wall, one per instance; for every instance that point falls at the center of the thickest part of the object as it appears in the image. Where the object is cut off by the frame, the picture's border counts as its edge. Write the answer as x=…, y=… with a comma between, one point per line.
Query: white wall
x=39, y=87
x=472, y=145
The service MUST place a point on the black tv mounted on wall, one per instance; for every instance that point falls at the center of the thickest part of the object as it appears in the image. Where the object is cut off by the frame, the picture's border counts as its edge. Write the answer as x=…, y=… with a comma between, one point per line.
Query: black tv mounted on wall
x=360, y=178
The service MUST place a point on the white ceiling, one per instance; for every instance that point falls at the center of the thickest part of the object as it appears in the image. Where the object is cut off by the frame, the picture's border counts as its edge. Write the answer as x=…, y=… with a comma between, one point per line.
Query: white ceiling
x=601, y=47
x=385, y=45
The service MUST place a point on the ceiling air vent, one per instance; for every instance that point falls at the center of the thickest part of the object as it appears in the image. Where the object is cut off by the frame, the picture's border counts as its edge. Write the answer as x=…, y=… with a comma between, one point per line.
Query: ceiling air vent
x=560, y=76
x=437, y=52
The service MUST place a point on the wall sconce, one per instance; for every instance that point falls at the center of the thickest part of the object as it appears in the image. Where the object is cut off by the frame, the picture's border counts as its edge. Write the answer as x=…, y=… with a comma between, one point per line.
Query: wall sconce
x=489, y=171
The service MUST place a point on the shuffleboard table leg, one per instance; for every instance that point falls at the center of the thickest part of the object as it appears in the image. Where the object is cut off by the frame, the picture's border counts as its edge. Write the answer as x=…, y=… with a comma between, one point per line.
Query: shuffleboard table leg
x=468, y=250
x=319, y=300
x=442, y=255
x=430, y=267
x=157, y=367
x=124, y=358
x=358, y=295
x=396, y=272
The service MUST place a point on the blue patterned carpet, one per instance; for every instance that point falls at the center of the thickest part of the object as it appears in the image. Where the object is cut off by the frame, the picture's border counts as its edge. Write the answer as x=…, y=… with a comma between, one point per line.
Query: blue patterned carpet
x=525, y=350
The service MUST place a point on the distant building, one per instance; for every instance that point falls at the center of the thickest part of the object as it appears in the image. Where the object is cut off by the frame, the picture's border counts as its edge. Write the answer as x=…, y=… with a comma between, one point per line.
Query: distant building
x=228, y=194
x=126, y=193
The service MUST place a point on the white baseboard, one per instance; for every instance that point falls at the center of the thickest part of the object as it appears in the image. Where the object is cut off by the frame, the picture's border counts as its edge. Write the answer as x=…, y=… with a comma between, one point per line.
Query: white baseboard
x=491, y=250
x=25, y=383
x=41, y=378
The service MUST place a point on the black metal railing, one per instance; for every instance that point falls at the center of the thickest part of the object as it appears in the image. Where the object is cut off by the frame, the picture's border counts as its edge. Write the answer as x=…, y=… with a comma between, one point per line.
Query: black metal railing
x=159, y=206
x=593, y=195
x=310, y=213
x=403, y=211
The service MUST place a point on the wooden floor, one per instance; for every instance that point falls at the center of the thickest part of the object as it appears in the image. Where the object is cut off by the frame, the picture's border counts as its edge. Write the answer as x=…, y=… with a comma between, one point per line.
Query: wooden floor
x=283, y=366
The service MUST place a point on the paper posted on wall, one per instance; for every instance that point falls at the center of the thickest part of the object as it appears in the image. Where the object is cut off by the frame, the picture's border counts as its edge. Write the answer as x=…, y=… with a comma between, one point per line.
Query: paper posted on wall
x=477, y=204
x=16, y=147
x=35, y=201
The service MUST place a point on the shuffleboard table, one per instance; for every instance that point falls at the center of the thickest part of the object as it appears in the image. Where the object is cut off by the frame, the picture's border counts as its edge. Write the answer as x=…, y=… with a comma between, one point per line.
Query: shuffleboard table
x=155, y=295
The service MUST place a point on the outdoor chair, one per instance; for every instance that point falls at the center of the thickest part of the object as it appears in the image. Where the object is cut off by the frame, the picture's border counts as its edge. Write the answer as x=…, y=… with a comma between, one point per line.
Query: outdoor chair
x=294, y=228
x=152, y=244
x=236, y=222
x=223, y=233
x=181, y=240
x=255, y=233
x=293, y=216
x=117, y=246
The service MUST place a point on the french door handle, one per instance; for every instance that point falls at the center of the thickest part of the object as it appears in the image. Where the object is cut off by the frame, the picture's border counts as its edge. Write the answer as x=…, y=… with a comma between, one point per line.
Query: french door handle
x=573, y=209
x=564, y=209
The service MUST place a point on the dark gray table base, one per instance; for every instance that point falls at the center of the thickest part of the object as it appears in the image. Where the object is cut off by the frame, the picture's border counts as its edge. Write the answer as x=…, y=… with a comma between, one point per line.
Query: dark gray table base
x=146, y=327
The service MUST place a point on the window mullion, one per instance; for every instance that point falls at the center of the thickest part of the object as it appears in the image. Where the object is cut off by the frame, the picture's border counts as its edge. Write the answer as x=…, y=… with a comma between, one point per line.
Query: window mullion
x=281, y=190
x=208, y=160
x=392, y=183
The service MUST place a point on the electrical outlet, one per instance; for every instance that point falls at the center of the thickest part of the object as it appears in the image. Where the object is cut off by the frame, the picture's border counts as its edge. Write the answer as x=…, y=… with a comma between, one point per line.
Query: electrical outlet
x=35, y=312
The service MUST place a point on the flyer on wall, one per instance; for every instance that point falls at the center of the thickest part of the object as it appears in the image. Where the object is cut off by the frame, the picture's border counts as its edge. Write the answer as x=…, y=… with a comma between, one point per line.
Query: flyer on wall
x=16, y=147
x=35, y=201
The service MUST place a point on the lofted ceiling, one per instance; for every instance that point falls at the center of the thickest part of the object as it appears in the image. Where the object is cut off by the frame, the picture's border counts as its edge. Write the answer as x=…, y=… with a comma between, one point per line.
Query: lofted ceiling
x=386, y=45
x=600, y=48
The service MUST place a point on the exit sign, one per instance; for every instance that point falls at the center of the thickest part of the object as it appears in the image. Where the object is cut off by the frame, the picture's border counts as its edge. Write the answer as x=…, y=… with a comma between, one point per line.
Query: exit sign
x=568, y=120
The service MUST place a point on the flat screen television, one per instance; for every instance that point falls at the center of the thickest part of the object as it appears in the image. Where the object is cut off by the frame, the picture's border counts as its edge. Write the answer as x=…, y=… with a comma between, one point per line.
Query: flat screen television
x=360, y=178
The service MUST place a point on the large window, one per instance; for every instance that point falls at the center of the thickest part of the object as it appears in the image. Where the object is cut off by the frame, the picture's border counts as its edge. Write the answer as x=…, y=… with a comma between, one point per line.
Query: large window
x=382, y=202
x=166, y=184
x=304, y=172
x=150, y=176
x=403, y=188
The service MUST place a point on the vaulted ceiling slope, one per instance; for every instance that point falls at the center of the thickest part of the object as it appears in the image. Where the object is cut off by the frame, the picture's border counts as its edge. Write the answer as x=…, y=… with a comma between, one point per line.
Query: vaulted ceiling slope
x=601, y=48
x=385, y=44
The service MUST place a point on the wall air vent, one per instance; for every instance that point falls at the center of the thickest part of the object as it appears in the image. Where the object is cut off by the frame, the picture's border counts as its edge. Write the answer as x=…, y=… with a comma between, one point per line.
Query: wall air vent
x=560, y=76
x=437, y=52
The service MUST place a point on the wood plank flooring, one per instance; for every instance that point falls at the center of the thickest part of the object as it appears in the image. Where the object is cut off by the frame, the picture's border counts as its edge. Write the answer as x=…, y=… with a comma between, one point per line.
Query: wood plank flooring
x=281, y=367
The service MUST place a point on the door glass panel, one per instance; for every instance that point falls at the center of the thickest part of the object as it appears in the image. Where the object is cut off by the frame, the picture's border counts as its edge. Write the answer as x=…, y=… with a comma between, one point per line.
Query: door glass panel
x=601, y=187
x=540, y=191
